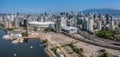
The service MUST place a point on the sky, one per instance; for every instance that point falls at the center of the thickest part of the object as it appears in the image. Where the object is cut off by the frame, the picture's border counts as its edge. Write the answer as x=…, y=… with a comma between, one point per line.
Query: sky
x=38, y=6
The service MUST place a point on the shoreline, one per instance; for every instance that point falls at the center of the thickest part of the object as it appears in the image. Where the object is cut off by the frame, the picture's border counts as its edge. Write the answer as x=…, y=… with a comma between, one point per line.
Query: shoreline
x=47, y=52
x=40, y=40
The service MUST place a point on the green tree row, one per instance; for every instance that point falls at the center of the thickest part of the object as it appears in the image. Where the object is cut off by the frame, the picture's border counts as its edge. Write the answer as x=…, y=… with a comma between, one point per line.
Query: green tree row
x=108, y=34
x=76, y=50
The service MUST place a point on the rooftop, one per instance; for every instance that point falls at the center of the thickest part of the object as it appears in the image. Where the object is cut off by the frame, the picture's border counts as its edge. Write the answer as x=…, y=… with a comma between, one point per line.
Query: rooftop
x=68, y=28
x=40, y=23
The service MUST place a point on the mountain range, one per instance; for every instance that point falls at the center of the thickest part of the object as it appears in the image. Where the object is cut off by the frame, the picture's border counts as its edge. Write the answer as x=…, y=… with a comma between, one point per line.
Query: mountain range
x=113, y=12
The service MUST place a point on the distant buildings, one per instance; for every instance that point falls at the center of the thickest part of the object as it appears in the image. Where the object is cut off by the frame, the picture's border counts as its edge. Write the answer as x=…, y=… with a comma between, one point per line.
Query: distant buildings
x=92, y=22
x=89, y=22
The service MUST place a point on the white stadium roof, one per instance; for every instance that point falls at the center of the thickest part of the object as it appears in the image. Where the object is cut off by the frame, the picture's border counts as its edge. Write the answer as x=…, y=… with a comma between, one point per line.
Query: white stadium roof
x=40, y=23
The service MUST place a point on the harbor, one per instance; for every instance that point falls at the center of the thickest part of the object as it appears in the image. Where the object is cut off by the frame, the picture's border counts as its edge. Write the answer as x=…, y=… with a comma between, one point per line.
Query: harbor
x=20, y=39
x=31, y=48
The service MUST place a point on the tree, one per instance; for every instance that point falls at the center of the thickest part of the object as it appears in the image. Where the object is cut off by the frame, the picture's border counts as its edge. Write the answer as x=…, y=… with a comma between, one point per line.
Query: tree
x=103, y=50
x=103, y=55
x=105, y=33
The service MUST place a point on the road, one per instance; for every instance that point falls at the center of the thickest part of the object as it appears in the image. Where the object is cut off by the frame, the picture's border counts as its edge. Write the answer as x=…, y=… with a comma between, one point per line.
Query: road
x=102, y=44
x=98, y=39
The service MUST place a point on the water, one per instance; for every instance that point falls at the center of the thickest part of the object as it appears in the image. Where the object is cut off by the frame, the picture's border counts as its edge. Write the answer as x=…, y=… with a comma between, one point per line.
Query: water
x=7, y=49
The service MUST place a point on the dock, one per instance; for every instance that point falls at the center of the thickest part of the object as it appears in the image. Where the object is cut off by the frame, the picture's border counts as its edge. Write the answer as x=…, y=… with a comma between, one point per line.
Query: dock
x=40, y=37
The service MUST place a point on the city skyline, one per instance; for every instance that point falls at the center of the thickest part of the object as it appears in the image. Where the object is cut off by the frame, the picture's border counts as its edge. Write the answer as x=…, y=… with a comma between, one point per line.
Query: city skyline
x=59, y=28
x=38, y=6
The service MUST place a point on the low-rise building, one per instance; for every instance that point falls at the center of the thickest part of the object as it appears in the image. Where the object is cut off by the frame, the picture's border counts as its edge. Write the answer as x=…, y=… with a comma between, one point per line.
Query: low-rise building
x=69, y=29
x=38, y=25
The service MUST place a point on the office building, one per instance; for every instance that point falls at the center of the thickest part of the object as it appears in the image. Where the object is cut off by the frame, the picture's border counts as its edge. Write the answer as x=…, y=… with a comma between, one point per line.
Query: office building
x=90, y=23
x=63, y=21
x=16, y=23
x=80, y=22
x=1, y=20
x=99, y=25
x=104, y=24
x=58, y=25
x=85, y=23
x=111, y=23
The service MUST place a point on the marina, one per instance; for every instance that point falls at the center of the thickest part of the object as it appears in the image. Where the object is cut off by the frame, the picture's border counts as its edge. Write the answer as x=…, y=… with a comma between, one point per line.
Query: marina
x=31, y=48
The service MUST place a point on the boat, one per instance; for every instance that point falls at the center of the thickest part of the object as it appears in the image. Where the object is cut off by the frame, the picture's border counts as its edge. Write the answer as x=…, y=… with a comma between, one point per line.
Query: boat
x=31, y=46
x=15, y=41
x=7, y=37
x=21, y=40
x=14, y=54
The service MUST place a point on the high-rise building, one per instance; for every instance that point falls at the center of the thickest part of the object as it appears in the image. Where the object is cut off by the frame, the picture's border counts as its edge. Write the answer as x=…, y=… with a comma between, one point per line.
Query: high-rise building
x=16, y=23
x=1, y=20
x=85, y=23
x=9, y=24
x=90, y=23
x=104, y=24
x=6, y=24
x=102, y=17
x=42, y=19
x=75, y=21
x=111, y=23
x=58, y=25
x=12, y=17
x=25, y=23
x=107, y=19
x=80, y=22
x=95, y=17
x=72, y=22
x=99, y=25
x=63, y=21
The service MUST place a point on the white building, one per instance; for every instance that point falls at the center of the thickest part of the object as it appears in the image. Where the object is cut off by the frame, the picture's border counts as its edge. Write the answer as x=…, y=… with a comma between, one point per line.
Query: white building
x=112, y=23
x=90, y=24
x=1, y=19
x=69, y=29
x=16, y=23
x=104, y=24
x=99, y=25
x=73, y=21
x=37, y=24
x=63, y=21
